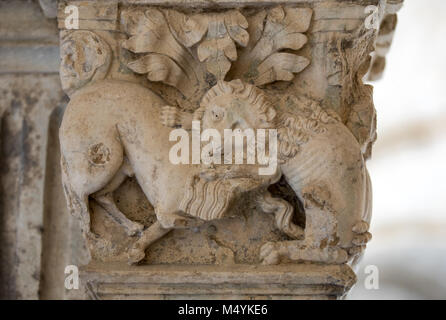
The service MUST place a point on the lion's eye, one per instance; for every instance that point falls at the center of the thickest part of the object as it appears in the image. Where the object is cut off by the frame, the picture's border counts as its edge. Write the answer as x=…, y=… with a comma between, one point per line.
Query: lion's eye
x=217, y=114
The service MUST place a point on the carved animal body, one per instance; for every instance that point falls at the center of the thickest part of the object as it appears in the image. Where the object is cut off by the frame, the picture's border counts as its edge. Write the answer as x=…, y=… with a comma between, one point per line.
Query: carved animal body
x=107, y=122
x=111, y=130
x=328, y=174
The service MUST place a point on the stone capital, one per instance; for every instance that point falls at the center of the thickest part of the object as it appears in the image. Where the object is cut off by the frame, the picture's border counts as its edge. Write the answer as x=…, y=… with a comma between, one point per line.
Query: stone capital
x=136, y=70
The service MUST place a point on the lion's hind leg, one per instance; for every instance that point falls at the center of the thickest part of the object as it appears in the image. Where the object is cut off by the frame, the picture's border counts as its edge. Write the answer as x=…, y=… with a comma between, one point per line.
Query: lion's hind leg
x=320, y=243
x=283, y=213
x=77, y=202
x=105, y=199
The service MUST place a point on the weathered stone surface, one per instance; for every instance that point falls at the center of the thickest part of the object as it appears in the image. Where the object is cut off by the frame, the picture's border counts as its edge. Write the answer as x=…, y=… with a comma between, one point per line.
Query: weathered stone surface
x=298, y=69
x=301, y=281
x=27, y=102
x=136, y=70
x=29, y=41
x=35, y=228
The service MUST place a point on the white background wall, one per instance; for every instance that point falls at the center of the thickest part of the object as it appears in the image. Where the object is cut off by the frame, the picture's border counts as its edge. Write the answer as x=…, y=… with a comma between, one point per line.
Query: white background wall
x=408, y=168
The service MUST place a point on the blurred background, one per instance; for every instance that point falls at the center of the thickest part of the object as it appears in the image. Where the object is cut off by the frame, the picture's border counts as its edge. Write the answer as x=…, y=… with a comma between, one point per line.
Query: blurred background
x=409, y=161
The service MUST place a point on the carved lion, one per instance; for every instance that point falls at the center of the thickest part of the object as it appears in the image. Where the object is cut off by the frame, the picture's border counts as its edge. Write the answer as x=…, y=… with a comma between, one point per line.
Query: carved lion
x=323, y=164
x=111, y=130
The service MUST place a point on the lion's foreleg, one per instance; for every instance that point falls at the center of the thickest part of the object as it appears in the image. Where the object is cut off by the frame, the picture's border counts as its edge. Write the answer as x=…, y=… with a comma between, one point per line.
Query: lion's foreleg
x=149, y=236
x=165, y=223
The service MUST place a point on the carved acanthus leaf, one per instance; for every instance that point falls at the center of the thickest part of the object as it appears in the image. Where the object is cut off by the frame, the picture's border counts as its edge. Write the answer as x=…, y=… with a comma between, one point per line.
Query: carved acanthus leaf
x=190, y=45
x=150, y=34
x=183, y=50
x=283, y=30
x=159, y=68
x=271, y=32
x=280, y=66
x=218, y=48
x=188, y=30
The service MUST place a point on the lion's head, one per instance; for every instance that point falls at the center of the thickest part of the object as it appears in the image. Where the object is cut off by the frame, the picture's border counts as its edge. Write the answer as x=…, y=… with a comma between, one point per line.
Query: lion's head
x=242, y=109
x=235, y=104
x=229, y=105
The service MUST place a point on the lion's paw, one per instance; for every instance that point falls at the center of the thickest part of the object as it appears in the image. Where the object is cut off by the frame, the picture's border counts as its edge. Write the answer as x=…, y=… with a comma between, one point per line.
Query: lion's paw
x=135, y=255
x=294, y=231
x=361, y=227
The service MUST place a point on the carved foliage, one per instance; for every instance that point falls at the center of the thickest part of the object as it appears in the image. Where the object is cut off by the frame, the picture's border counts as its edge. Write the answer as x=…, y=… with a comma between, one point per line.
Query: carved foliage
x=165, y=59
x=218, y=48
x=193, y=51
x=175, y=44
x=263, y=61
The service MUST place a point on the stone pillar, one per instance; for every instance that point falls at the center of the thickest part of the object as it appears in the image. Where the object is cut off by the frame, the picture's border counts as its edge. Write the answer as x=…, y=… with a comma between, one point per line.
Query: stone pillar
x=30, y=92
x=163, y=224
x=35, y=226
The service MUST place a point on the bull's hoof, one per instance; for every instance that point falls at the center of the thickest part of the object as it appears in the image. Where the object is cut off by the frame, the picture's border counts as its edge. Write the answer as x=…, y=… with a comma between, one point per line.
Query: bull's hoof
x=269, y=253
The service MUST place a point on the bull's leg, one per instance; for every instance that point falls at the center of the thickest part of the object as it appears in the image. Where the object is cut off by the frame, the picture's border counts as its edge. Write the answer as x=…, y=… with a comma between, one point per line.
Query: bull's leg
x=178, y=221
x=105, y=199
x=283, y=213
